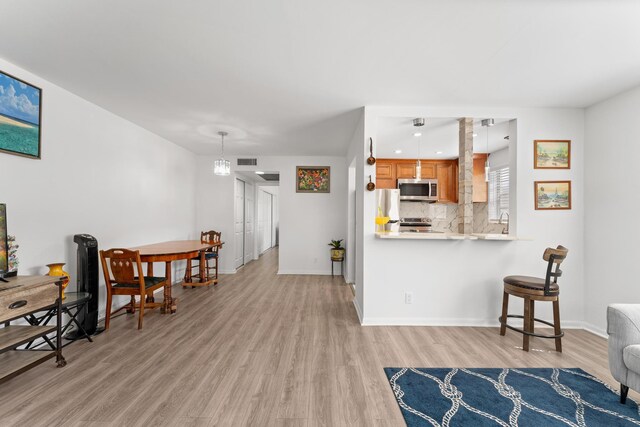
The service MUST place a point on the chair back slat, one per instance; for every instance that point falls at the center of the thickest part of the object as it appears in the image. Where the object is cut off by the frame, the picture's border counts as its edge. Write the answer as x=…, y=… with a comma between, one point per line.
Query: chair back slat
x=554, y=257
x=211, y=236
x=124, y=265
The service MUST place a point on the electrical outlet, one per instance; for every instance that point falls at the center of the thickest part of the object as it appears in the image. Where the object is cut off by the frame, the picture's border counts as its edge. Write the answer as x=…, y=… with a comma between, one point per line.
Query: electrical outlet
x=408, y=297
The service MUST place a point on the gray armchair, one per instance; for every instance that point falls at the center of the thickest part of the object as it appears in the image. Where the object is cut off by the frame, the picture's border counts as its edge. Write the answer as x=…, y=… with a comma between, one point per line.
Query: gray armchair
x=623, y=327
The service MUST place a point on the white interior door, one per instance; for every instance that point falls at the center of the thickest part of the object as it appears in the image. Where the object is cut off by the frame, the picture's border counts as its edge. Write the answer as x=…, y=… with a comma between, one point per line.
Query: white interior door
x=239, y=221
x=249, y=223
x=274, y=220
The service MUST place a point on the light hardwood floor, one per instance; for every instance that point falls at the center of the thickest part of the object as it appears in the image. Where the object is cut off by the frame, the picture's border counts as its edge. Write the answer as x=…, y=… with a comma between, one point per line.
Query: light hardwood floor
x=261, y=350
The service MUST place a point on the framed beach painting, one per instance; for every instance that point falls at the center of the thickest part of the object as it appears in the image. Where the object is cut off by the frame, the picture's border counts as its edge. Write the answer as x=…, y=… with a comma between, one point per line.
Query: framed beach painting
x=553, y=195
x=551, y=154
x=20, y=115
x=313, y=179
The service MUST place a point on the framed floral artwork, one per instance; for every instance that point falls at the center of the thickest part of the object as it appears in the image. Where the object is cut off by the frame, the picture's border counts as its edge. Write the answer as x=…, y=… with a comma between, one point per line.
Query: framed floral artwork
x=553, y=195
x=313, y=179
x=551, y=154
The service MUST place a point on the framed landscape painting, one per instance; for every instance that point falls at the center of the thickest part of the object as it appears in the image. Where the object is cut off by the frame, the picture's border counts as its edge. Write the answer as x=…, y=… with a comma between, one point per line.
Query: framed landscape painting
x=553, y=195
x=551, y=154
x=20, y=115
x=313, y=179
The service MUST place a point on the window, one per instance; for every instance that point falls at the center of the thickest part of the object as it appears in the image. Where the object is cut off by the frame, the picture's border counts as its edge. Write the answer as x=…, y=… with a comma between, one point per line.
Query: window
x=498, y=193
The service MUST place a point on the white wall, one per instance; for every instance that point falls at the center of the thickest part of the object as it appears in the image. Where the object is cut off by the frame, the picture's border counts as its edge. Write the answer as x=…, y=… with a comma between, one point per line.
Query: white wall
x=307, y=221
x=460, y=282
x=611, y=205
x=99, y=174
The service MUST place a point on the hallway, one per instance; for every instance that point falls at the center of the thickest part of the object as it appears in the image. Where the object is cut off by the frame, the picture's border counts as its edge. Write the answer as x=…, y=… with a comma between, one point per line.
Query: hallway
x=264, y=350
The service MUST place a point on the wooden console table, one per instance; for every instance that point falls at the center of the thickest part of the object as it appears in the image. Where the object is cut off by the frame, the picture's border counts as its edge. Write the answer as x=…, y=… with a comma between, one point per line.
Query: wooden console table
x=19, y=297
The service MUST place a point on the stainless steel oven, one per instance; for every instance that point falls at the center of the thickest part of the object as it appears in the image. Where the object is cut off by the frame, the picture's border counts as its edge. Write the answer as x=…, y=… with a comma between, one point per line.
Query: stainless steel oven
x=418, y=190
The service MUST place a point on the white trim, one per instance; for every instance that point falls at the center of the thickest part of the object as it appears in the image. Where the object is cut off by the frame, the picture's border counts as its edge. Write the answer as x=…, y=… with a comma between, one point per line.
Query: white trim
x=596, y=330
x=425, y=321
x=308, y=272
x=234, y=271
x=358, y=311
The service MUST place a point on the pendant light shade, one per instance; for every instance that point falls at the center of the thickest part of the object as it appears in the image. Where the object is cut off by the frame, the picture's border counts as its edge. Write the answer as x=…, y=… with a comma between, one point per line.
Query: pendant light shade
x=487, y=123
x=221, y=166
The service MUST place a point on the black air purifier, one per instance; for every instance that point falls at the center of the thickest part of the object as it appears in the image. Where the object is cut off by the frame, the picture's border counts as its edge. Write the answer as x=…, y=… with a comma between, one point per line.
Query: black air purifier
x=87, y=281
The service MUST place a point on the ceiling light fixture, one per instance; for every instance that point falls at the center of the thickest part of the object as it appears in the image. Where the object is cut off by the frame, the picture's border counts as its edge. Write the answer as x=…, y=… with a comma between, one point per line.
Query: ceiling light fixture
x=259, y=173
x=398, y=151
x=475, y=134
x=438, y=152
x=487, y=123
x=221, y=166
x=417, y=134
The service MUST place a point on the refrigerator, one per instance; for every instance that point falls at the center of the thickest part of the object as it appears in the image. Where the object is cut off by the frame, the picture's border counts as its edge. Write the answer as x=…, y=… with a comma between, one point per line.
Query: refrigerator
x=388, y=204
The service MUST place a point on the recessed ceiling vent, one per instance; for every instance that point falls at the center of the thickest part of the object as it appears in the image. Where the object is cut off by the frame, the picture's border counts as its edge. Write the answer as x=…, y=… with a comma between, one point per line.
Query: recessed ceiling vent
x=273, y=177
x=247, y=162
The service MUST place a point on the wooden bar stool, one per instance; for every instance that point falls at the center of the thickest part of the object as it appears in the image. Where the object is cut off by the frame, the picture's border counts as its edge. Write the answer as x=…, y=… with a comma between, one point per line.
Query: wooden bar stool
x=533, y=289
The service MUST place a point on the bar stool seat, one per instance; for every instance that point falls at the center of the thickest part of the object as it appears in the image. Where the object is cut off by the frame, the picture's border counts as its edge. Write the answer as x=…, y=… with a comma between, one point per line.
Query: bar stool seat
x=532, y=289
x=532, y=283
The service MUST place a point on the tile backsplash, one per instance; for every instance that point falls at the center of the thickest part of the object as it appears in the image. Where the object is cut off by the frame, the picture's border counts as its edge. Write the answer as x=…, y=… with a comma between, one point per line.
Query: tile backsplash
x=444, y=216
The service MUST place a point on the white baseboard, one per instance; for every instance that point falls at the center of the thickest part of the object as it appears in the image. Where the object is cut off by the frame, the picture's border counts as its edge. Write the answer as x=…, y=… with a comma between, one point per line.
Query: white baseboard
x=234, y=271
x=595, y=330
x=307, y=272
x=423, y=321
x=358, y=311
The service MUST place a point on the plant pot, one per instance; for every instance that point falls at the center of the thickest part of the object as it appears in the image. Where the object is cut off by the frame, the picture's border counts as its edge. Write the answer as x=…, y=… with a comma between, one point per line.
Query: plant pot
x=337, y=254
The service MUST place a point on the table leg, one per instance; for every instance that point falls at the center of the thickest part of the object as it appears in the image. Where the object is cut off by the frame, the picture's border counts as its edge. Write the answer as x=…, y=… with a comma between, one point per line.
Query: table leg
x=187, y=274
x=169, y=305
x=203, y=266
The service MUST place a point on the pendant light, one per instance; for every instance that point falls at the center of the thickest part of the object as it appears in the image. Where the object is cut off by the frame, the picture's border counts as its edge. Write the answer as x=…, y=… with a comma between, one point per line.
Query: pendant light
x=487, y=123
x=221, y=166
x=418, y=123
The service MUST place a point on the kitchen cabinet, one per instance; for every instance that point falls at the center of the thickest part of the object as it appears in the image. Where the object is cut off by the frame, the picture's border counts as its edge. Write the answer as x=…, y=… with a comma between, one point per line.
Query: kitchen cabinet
x=406, y=170
x=447, y=175
x=480, y=186
x=385, y=174
x=389, y=171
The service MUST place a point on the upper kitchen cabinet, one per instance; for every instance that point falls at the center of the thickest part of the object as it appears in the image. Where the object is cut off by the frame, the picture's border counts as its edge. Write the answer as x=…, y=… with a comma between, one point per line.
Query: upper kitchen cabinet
x=406, y=170
x=447, y=175
x=480, y=186
x=385, y=174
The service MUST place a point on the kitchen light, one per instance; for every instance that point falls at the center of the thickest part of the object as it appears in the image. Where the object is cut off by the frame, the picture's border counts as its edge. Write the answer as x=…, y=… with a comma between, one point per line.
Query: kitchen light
x=438, y=152
x=398, y=151
x=487, y=123
x=417, y=134
x=259, y=173
x=221, y=166
x=475, y=134
x=418, y=122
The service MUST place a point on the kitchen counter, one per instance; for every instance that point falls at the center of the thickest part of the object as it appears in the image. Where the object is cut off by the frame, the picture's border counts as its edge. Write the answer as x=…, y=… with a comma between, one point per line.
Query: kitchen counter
x=407, y=235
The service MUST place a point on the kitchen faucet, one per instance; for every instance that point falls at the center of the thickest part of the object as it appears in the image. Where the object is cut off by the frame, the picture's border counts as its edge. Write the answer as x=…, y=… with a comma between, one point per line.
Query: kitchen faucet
x=506, y=229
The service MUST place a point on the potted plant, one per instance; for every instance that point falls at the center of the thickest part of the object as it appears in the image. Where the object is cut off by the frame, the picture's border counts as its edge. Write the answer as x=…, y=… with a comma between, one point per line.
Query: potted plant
x=337, y=251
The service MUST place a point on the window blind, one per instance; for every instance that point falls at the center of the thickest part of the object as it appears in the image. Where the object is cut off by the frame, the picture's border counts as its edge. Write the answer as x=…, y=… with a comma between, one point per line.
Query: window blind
x=498, y=193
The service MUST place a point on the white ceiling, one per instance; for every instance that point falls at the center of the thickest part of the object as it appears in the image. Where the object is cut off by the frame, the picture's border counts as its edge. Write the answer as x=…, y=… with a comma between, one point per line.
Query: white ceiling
x=286, y=76
x=438, y=139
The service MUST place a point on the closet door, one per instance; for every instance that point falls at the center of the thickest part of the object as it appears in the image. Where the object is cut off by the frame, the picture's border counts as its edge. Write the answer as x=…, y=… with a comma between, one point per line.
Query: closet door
x=249, y=223
x=239, y=221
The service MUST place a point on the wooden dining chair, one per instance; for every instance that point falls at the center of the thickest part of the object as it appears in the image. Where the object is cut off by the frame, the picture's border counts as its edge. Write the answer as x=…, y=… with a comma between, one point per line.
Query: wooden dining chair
x=123, y=275
x=210, y=254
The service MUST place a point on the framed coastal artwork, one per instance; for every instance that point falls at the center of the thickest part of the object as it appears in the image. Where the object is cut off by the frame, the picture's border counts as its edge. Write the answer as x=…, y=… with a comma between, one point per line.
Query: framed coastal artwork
x=313, y=179
x=551, y=154
x=20, y=115
x=553, y=195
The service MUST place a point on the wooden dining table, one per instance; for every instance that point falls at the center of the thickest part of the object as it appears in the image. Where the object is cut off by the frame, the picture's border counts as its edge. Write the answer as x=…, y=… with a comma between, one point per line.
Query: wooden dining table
x=168, y=252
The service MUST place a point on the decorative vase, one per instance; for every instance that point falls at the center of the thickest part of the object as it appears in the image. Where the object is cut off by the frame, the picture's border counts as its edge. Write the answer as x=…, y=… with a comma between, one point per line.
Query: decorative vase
x=337, y=254
x=55, y=269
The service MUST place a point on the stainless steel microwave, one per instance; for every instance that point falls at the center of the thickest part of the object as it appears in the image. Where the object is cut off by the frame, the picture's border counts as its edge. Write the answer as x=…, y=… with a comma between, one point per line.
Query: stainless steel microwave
x=418, y=190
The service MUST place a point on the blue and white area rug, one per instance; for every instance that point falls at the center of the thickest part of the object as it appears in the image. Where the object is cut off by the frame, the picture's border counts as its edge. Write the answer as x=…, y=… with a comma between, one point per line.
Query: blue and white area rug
x=508, y=397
